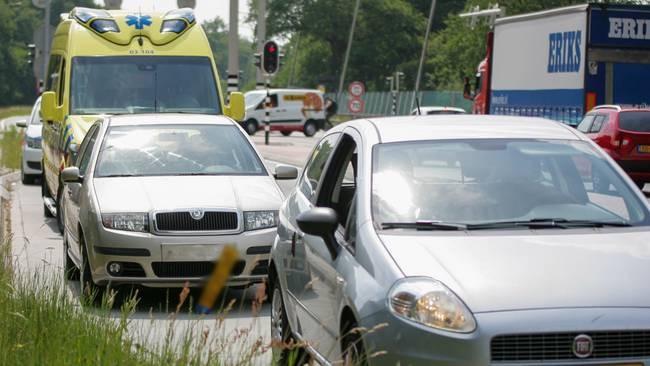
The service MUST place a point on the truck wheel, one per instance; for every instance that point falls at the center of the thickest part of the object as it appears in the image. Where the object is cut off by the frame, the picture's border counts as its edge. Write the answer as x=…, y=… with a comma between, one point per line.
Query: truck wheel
x=310, y=128
x=285, y=133
x=250, y=126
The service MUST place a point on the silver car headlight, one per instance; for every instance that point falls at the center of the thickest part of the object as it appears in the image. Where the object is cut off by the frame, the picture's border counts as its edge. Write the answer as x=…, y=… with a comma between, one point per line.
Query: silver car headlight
x=429, y=302
x=126, y=221
x=255, y=220
x=33, y=142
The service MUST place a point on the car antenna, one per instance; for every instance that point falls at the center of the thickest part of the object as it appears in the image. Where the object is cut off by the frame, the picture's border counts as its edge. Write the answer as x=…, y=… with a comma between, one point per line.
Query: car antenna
x=417, y=103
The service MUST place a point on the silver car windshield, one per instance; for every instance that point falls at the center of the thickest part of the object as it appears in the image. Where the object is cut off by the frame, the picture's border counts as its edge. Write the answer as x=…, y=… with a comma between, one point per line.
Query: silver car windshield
x=156, y=150
x=470, y=182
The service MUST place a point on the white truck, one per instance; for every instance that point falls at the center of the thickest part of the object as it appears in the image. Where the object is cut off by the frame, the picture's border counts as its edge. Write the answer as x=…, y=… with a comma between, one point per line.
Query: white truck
x=560, y=63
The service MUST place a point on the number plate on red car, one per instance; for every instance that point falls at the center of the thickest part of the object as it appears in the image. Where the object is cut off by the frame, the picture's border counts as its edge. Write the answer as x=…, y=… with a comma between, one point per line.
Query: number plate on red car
x=644, y=148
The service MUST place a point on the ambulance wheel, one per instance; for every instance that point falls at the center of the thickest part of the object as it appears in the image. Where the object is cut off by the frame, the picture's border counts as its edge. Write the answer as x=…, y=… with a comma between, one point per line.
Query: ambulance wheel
x=250, y=126
x=310, y=128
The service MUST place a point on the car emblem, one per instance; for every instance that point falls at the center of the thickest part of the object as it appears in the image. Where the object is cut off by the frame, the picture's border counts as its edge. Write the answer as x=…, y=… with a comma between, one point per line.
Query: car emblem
x=583, y=346
x=197, y=213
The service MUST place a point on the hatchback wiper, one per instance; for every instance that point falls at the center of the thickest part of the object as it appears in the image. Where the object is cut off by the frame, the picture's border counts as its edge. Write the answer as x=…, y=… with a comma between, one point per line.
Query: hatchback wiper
x=546, y=223
x=424, y=225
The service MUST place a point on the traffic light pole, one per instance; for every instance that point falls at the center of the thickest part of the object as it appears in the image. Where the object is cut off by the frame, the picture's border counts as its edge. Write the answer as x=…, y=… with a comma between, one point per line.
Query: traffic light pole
x=267, y=113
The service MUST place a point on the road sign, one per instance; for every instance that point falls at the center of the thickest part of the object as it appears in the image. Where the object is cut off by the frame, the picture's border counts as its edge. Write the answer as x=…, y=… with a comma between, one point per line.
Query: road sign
x=356, y=89
x=356, y=105
x=41, y=4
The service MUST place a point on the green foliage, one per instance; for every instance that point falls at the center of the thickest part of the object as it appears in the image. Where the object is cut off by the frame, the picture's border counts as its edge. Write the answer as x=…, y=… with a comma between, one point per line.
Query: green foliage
x=217, y=34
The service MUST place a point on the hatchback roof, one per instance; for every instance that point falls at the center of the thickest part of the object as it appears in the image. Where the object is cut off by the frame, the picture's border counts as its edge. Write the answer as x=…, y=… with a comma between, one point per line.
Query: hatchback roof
x=167, y=118
x=447, y=127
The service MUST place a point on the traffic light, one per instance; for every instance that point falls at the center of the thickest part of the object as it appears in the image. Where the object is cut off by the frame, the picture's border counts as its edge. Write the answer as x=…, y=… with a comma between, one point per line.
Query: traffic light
x=31, y=53
x=271, y=58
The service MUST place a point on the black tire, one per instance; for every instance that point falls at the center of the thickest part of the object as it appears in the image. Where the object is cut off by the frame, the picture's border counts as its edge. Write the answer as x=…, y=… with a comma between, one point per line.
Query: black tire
x=27, y=179
x=354, y=352
x=59, y=210
x=90, y=292
x=46, y=194
x=250, y=126
x=285, y=350
x=310, y=128
x=70, y=270
x=285, y=133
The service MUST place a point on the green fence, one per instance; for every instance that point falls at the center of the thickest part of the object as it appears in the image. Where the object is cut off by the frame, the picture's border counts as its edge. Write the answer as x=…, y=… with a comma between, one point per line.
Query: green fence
x=380, y=103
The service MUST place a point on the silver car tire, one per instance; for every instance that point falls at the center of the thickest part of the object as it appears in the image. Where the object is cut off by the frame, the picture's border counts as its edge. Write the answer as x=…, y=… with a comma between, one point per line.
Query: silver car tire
x=352, y=346
x=70, y=270
x=285, y=349
x=90, y=292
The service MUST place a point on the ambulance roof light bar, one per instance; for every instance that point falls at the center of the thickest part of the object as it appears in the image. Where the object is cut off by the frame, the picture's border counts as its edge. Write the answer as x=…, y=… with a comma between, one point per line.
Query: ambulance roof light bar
x=178, y=20
x=98, y=20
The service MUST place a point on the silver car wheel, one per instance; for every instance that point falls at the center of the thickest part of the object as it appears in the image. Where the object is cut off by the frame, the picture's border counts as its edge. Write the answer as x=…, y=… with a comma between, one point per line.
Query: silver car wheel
x=277, y=326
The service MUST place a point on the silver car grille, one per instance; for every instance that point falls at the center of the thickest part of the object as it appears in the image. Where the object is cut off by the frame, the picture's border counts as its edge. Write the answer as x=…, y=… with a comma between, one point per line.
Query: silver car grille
x=559, y=346
x=182, y=221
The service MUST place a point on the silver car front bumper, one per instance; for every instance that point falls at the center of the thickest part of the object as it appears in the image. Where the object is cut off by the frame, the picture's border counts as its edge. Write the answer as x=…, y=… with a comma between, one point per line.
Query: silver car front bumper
x=406, y=343
x=164, y=258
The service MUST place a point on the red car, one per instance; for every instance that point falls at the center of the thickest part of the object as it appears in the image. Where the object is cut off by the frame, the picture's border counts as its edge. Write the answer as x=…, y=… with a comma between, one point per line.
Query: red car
x=625, y=134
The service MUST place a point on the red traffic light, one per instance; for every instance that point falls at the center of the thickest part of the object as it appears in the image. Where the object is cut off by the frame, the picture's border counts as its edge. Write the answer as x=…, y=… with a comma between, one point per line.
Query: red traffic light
x=270, y=58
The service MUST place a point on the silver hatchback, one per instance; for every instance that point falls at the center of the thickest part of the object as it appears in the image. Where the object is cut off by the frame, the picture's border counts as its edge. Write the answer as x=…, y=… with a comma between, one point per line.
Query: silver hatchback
x=462, y=240
x=153, y=199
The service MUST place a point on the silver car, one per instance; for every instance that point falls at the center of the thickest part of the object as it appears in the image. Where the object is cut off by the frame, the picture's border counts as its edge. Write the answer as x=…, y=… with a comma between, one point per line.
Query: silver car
x=30, y=166
x=462, y=240
x=153, y=199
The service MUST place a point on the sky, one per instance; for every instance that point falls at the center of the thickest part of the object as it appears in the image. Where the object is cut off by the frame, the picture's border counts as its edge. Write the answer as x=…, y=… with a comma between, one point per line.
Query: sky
x=205, y=10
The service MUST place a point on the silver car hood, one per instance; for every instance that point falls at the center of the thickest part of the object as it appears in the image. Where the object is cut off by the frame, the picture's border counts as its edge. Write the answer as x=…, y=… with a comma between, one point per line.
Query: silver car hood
x=145, y=194
x=532, y=271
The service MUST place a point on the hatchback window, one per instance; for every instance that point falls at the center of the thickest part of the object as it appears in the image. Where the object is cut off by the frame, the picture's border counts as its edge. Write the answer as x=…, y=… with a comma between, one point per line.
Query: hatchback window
x=635, y=121
x=487, y=181
x=599, y=121
x=585, y=124
x=316, y=165
x=156, y=150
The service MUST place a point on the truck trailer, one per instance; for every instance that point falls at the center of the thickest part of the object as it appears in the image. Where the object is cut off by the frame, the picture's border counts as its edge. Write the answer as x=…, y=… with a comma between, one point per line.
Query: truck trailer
x=560, y=63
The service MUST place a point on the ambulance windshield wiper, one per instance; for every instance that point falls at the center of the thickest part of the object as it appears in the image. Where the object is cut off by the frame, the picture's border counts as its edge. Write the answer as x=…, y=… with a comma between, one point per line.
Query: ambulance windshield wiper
x=424, y=225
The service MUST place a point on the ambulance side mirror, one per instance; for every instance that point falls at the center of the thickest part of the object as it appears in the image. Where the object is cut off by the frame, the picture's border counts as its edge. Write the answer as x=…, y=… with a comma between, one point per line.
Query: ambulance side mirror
x=236, y=108
x=48, y=106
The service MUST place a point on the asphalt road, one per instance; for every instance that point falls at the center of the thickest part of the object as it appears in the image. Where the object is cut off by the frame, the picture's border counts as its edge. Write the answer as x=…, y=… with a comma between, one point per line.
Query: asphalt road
x=37, y=251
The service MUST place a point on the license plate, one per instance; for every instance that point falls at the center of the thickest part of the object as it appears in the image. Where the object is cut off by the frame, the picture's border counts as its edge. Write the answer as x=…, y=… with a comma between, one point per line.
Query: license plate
x=643, y=149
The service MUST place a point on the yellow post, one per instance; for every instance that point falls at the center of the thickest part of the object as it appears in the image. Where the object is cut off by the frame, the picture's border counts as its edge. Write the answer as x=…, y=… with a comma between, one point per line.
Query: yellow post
x=218, y=279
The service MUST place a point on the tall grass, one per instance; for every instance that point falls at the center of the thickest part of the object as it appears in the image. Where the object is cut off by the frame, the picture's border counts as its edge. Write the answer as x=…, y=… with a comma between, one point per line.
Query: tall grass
x=10, y=148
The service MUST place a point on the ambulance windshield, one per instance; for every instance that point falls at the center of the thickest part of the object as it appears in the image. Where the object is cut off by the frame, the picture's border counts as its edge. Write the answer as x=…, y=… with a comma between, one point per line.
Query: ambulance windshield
x=143, y=84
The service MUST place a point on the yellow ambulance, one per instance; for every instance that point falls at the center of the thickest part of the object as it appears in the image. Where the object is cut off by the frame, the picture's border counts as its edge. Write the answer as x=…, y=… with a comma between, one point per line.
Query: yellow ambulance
x=117, y=62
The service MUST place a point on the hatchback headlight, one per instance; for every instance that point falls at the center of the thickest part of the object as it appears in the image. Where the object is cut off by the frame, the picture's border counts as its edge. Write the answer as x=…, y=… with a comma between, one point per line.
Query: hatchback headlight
x=126, y=221
x=255, y=220
x=429, y=302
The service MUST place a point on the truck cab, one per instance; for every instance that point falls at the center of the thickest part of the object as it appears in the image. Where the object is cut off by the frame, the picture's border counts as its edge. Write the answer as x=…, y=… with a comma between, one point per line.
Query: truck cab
x=117, y=62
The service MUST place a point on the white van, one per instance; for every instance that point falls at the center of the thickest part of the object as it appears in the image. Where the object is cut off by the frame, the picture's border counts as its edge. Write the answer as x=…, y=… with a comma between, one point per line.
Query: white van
x=290, y=110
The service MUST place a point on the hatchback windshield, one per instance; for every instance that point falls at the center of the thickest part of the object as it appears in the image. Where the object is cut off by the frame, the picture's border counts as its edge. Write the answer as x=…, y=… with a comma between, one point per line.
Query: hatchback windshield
x=176, y=150
x=137, y=84
x=486, y=181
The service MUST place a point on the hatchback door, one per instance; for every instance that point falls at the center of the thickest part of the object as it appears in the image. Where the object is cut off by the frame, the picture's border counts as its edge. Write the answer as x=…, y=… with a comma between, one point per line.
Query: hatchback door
x=634, y=134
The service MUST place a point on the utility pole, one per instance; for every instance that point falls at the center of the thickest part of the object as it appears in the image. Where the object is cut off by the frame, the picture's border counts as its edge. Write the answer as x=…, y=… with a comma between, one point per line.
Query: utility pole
x=294, y=54
x=46, y=41
x=347, y=50
x=424, y=52
x=261, y=37
x=233, y=47
x=391, y=81
x=396, y=78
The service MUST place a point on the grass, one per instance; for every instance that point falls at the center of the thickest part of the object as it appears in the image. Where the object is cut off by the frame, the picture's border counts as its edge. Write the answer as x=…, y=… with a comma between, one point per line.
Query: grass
x=20, y=110
x=10, y=148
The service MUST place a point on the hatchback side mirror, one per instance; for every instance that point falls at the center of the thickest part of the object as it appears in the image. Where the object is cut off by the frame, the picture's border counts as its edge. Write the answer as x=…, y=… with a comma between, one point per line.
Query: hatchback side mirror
x=71, y=175
x=21, y=124
x=321, y=222
x=285, y=172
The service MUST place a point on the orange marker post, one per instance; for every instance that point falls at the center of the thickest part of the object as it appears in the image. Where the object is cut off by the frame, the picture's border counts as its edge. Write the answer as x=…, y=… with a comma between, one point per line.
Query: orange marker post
x=218, y=279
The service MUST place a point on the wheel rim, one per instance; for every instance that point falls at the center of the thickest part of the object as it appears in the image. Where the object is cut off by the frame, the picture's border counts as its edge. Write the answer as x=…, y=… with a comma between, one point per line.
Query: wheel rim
x=310, y=129
x=277, y=324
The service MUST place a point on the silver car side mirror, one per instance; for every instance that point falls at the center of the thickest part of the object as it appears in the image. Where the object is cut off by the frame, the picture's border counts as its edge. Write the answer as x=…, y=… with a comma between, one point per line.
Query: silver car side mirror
x=285, y=172
x=21, y=124
x=71, y=175
x=321, y=222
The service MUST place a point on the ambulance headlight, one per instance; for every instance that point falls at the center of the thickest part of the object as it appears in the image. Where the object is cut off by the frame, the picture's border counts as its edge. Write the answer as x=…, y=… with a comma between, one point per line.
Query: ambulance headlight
x=85, y=14
x=104, y=25
x=175, y=25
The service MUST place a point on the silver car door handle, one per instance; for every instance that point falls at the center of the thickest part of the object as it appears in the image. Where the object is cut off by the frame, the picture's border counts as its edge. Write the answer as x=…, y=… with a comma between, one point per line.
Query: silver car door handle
x=340, y=280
